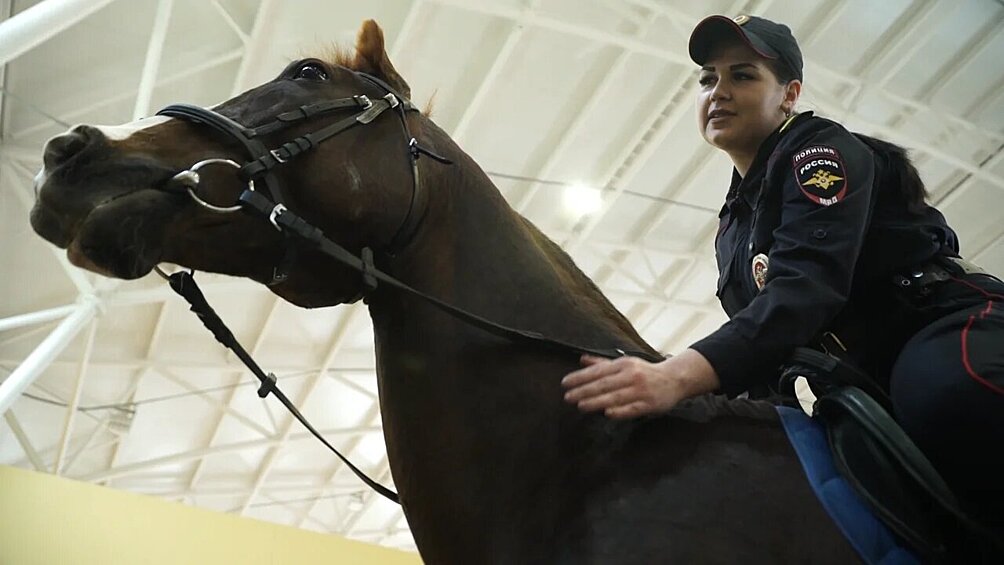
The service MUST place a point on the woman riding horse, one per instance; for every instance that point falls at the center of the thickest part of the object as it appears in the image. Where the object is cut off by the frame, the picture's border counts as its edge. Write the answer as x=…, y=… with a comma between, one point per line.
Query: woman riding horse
x=490, y=464
x=825, y=235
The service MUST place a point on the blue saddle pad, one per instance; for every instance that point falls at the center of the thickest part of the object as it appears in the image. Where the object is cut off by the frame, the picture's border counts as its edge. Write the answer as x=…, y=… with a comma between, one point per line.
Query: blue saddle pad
x=872, y=539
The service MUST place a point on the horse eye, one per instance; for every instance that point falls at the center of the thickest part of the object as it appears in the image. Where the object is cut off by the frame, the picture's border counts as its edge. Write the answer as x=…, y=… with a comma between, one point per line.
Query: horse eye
x=312, y=71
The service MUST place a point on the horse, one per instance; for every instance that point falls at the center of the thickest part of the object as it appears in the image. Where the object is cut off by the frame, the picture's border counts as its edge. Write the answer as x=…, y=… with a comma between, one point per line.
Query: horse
x=491, y=464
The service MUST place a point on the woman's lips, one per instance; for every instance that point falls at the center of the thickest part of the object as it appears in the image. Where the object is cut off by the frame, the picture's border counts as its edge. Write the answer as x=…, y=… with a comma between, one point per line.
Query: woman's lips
x=720, y=115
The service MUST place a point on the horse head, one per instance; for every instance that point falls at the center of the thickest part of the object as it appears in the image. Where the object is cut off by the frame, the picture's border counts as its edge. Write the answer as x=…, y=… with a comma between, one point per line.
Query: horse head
x=113, y=198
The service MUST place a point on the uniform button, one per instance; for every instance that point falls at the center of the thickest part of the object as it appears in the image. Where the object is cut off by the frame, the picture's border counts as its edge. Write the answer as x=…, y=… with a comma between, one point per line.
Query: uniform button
x=819, y=233
x=750, y=246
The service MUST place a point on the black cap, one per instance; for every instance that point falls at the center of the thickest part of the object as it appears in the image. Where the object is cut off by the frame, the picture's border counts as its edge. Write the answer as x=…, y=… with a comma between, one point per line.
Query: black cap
x=770, y=40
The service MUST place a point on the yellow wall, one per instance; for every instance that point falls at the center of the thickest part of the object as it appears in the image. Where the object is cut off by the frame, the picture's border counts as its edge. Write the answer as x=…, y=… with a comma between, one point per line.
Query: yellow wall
x=47, y=520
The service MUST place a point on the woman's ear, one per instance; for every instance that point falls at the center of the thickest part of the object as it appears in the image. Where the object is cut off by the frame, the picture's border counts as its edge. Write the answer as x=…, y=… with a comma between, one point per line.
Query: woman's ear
x=791, y=93
x=371, y=58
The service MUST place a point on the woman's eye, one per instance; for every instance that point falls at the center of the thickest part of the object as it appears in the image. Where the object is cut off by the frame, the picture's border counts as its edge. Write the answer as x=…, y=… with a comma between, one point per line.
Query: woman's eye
x=705, y=80
x=742, y=76
x=312, y=71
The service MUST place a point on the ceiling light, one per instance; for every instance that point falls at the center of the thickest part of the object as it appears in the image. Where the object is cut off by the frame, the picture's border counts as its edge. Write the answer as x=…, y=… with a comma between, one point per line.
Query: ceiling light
x=581, y=200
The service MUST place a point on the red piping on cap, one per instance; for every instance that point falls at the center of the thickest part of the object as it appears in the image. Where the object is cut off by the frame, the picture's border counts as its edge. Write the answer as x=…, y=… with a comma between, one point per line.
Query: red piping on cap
x=735, y=28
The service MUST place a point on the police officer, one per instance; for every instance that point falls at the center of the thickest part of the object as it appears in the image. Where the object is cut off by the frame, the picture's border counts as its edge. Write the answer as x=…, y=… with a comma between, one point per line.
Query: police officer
x=825, y=239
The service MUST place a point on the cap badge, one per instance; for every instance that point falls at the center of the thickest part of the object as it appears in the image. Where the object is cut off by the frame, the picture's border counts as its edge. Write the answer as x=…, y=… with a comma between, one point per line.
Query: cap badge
x=760, y=270
x=741, y=19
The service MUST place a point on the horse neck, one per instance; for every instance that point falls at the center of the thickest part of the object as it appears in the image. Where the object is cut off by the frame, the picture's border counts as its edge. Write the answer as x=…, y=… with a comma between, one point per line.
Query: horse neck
x=461, y=407
x=475, y=252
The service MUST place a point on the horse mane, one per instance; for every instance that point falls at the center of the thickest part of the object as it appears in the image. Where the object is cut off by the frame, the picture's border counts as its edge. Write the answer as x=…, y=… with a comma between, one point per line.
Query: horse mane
x=708, y=407
x=338, y=56
x=567, y=268
x=700, y=409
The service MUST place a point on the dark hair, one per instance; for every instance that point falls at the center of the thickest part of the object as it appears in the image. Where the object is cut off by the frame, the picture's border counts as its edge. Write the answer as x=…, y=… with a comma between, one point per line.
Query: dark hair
x=780, y=70
x=902, y=174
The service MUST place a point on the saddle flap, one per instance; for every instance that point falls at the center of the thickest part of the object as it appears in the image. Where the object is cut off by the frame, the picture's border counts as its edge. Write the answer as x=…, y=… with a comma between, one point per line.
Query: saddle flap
x=903, y=488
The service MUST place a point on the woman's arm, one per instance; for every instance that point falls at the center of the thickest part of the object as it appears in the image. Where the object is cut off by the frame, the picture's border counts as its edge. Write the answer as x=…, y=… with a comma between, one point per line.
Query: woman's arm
x=826, y=201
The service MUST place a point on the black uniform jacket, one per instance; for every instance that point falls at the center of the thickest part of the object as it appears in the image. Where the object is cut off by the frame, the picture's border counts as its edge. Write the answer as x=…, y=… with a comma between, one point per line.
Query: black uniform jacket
x=808, y=241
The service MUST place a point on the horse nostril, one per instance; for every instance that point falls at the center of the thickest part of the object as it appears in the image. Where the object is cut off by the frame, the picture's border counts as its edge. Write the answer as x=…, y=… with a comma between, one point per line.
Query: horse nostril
x=62, y=147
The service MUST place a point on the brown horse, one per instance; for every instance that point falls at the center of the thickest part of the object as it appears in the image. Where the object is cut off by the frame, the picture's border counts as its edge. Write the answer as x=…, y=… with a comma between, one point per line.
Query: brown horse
x=492, y=465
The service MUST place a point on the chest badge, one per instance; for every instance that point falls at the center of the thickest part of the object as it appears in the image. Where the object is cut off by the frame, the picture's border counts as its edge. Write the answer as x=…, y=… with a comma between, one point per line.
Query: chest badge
x=760, y=263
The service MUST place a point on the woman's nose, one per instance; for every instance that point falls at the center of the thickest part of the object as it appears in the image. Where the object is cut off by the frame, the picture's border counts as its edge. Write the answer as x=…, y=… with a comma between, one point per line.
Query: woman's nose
x=720, y=91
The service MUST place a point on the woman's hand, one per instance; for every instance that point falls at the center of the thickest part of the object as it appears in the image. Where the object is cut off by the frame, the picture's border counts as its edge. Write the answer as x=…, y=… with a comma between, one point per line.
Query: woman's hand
x=629, y=387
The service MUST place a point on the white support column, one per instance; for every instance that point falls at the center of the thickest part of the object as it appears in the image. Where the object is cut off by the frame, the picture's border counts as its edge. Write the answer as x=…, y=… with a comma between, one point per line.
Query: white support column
x=39, y=317
x=196, y=454
x=41, y=22
x=228, y=18
x=493, y=73
x=72, y=117
x=611, y=77
x=71, y=409
x=22, y=438
x=39, y=359
x=256, y=46
x=154, y=51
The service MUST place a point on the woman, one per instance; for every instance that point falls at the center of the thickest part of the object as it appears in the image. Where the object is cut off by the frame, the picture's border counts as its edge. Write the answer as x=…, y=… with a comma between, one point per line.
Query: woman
x=825, y=236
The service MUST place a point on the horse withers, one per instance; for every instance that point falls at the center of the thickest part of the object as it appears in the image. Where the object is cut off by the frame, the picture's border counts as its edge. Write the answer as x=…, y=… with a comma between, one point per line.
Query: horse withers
x=492, y=465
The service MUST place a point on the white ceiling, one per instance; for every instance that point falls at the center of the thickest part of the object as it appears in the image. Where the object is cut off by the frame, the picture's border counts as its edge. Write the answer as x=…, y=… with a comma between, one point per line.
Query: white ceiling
x=594, y=91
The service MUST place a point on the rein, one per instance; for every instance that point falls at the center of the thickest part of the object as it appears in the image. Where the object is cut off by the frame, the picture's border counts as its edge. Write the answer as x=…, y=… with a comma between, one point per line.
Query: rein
x=260, y=170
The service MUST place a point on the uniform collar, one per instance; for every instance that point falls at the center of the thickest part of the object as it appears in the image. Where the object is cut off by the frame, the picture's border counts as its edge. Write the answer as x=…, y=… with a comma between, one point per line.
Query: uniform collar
x=747, y=185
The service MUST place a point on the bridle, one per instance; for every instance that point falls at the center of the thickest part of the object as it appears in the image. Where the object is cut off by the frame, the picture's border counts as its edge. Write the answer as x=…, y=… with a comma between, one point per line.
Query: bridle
x=261, y=168
x=259, y=172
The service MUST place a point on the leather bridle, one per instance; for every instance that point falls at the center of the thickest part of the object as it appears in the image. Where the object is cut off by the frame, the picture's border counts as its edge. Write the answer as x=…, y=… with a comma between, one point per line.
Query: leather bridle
x=259, y=172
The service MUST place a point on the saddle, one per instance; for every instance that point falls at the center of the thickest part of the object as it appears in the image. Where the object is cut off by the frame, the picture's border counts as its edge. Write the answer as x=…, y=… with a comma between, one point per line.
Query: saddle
x=885, y=468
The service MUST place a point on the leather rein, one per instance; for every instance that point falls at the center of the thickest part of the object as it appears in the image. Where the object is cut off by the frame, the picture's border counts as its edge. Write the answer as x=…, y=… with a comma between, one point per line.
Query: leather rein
x=259, y=172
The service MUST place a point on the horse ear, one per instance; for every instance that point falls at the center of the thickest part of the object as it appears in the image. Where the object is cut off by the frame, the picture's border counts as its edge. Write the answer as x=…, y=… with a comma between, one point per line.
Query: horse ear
x=371, y=57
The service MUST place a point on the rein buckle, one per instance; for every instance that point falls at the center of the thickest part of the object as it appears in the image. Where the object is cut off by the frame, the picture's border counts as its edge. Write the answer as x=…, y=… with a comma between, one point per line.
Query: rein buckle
x=278, y=157
x=273, y=217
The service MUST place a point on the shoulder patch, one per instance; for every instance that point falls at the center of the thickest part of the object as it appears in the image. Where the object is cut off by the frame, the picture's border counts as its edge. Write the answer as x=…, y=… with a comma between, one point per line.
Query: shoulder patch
x=820, y=174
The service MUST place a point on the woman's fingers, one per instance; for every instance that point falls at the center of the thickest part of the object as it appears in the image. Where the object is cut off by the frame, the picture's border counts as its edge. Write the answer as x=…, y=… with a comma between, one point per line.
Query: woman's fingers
x=614, y=398
x=632, y=410
x=597, y=367
x=598, y=387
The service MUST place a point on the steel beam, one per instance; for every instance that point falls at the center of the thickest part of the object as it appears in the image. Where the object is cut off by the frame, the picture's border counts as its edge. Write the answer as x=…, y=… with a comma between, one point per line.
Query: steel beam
x=41, y=22
x=39, y=359
x=71, y=407
x=494, y=71
x=195, y=454
x=84, y=110
x=38, y=317
x=24, y=441
x=256, y=46
x=337, y=340
x=154, y=52
x=572, y=132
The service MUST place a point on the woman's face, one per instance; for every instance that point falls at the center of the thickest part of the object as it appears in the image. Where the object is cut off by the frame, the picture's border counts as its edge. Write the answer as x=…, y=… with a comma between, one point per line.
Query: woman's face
x=739, y=102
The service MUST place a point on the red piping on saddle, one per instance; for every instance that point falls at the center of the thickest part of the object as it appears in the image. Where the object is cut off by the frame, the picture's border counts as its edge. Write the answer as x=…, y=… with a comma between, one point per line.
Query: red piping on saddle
x=965, y=336
x=989, y=295
x=965, y=352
